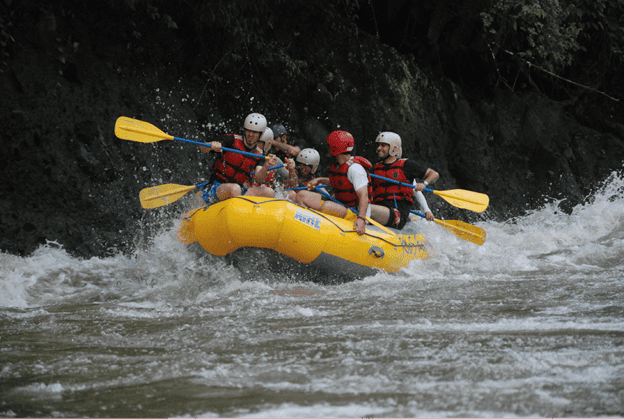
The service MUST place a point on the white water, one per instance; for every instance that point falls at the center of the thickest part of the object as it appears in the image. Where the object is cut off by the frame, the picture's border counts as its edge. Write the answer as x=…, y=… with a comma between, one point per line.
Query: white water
x=529, y=324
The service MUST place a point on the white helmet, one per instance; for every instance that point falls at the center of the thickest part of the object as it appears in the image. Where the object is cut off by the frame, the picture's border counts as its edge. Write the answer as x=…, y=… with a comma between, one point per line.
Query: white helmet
x=255, y=122
x=393, y=140
x=267, y=139
x=309, y=157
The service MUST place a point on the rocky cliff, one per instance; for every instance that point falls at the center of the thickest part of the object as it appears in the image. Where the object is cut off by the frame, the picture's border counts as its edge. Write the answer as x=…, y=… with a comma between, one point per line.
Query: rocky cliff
x=70, y=70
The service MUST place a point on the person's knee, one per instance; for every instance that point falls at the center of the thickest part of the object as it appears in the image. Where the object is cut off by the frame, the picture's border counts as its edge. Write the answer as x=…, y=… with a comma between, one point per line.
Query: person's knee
x=228, y=190
x=306, y=198
x=267, y=192
x=298, y=197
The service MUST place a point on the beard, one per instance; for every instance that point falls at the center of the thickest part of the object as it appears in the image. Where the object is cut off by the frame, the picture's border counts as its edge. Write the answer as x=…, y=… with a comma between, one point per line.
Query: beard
x=250, y=147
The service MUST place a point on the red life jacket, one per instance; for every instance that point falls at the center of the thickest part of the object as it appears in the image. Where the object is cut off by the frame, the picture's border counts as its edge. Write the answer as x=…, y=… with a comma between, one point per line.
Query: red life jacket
x=343, y=188
x=388, y=191
x=234, y=167
x=304, y=182
x=268, y=180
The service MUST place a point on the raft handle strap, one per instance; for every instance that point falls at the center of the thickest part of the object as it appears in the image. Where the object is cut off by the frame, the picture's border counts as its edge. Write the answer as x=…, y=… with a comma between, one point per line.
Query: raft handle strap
x=377, y=251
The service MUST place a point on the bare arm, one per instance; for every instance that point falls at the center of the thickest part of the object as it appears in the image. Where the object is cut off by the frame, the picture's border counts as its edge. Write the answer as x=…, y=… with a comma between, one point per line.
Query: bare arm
x=292, y=181
x=318, y=181
x=261, y=174
x=430, y=177
x=360, y=222
x=291, y=150
x=214, y=146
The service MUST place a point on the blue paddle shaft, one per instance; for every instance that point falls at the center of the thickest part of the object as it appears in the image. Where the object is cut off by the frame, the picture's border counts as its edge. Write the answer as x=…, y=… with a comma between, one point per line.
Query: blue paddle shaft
x=399, y=182
x=270, y=168
x=322, y=192
x=233, y=150
x=419, y=214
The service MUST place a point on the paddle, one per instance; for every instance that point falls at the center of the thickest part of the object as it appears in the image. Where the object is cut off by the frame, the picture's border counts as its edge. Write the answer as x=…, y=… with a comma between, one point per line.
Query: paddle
x=161, y=195
x=144, y=132
x=370, y=220
x=462, y=230
x=270, y=168
x=460, y=198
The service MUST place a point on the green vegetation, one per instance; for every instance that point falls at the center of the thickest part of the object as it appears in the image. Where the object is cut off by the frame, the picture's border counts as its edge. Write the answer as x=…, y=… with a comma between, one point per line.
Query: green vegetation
x=579, y=39
x=538, y=43
x=561, y=43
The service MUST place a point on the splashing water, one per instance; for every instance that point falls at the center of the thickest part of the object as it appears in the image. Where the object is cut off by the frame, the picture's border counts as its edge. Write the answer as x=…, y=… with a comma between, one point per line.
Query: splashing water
x=530, y=323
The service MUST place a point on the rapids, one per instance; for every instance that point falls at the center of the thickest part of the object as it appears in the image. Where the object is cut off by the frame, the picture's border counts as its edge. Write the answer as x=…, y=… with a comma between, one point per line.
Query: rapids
x=529, y=324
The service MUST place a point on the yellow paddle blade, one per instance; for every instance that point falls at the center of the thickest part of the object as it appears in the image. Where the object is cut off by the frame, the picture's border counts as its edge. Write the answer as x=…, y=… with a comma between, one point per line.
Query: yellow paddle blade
x=159, y=196
x=186, y=230
x=351, y=216
x=464, y=231
x=141, y=131
x=473, y=201
x=376, y=224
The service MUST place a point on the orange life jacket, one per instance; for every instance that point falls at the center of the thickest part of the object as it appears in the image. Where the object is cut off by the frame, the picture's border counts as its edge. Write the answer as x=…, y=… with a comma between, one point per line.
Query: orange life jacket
x=343, y=188
x=388, y=191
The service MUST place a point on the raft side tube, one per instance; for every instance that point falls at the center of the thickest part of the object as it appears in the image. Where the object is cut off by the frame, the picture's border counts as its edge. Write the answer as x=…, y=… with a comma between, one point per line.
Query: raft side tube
x=301, y=234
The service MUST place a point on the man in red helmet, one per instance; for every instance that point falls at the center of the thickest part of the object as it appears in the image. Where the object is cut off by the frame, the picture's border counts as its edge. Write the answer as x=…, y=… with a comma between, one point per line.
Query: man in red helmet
x=350, y=182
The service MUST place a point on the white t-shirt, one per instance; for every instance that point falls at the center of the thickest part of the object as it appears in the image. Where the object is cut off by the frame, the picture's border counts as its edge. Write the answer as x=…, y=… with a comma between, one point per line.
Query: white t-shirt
x=358, y=177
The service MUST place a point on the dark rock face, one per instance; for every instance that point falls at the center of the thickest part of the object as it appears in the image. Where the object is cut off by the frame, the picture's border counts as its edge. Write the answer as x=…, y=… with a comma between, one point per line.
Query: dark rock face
x=66, y=177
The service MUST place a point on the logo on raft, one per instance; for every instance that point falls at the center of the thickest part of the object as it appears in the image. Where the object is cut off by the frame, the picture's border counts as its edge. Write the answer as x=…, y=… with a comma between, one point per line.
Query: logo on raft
x=411, y=245
x=308, y=218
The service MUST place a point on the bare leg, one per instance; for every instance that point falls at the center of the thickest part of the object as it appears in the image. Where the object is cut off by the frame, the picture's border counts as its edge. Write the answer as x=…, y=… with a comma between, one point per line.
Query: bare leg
x=292, y=196
x=380, y=214
x=228, y=190
x=313, y=200
x=261, y=190
x=309, y=199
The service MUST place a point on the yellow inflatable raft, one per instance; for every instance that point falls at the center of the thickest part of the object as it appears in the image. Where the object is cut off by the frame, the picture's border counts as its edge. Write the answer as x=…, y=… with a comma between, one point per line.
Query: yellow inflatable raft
x=305, y=235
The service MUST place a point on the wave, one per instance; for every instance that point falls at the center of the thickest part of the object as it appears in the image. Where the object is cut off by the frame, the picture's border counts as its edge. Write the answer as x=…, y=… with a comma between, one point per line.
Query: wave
x=546, y=241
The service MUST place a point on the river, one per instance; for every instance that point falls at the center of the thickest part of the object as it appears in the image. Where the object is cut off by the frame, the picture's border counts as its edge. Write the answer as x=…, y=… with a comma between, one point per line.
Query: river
x=529, y=324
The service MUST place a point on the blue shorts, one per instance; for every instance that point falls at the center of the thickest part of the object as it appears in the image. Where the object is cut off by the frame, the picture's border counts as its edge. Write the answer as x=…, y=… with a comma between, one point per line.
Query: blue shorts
x=209, y=193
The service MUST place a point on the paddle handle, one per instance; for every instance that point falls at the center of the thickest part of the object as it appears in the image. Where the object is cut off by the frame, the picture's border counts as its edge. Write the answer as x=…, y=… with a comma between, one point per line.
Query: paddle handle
x=233, y=150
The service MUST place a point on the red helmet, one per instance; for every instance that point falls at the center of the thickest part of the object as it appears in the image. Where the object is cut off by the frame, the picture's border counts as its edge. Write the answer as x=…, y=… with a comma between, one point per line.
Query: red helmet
x=340, y=142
